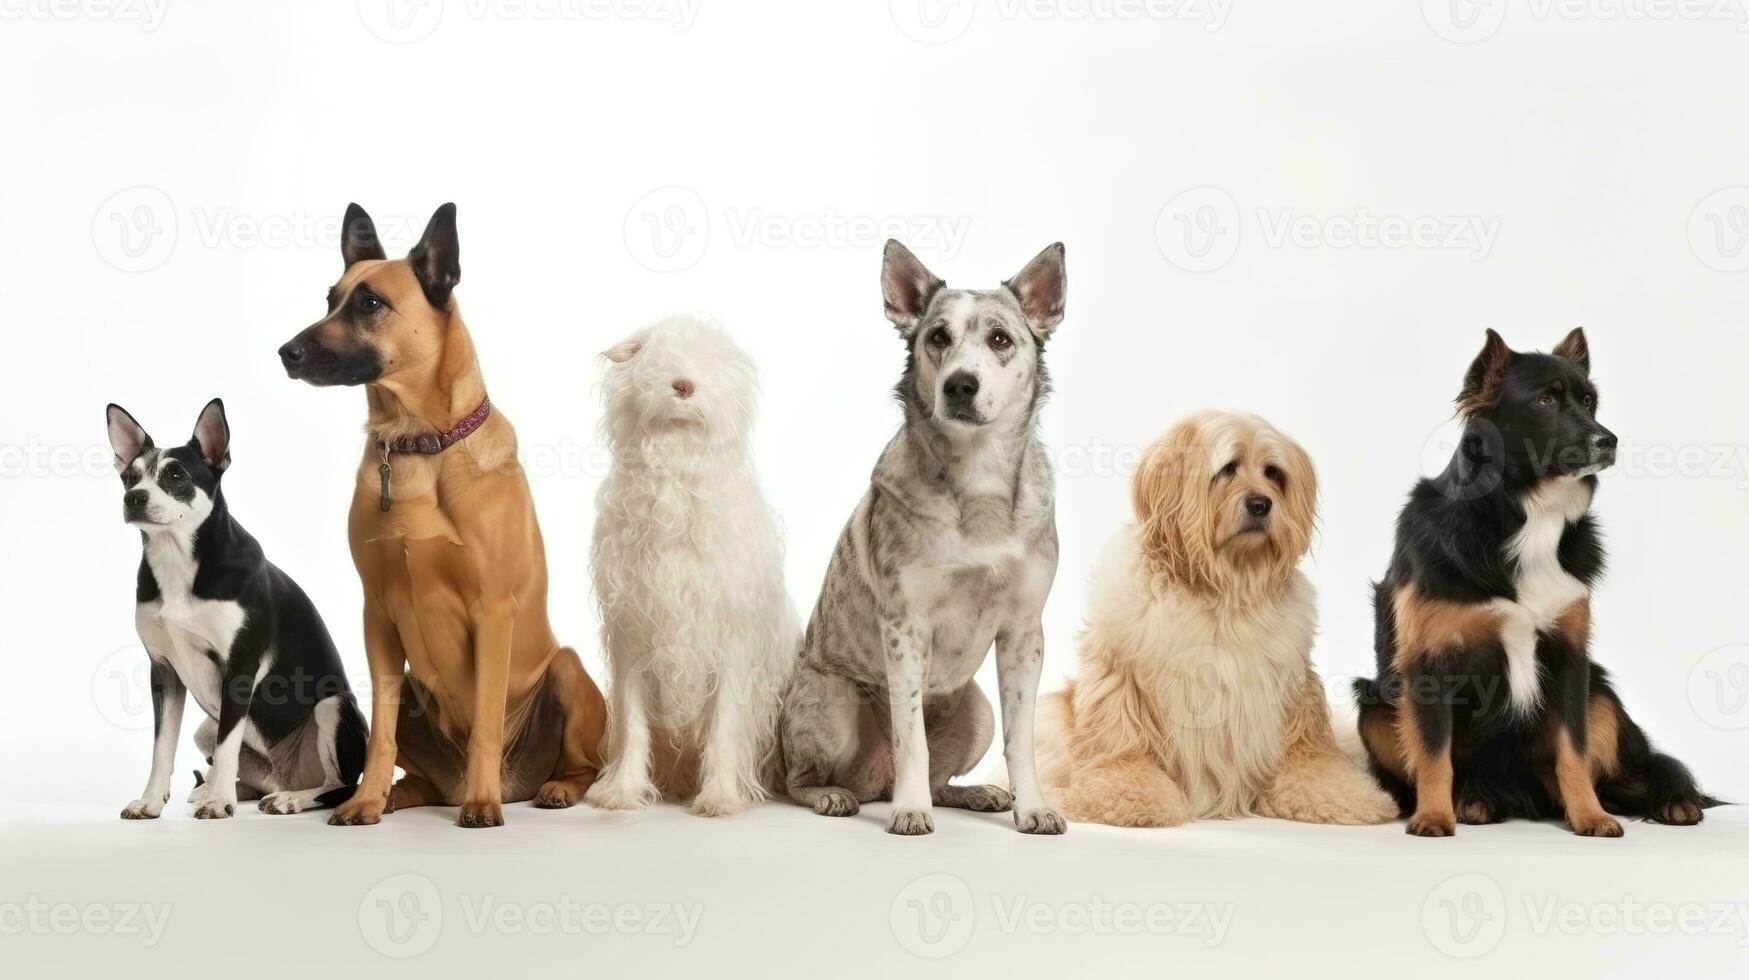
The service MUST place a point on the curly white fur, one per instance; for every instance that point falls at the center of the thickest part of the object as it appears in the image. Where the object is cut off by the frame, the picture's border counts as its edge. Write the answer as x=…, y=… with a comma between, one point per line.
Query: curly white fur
x=688, y=563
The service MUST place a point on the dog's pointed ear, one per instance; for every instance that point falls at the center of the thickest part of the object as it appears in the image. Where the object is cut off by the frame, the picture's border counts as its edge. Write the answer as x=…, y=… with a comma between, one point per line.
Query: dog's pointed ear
x=1041, y=288
x=1574, y=348
x=437, y=258
x=212, y=435
x=906, y=286
x=358, y=237
x=1487, y=372
x=126, y=437
x=622, y=352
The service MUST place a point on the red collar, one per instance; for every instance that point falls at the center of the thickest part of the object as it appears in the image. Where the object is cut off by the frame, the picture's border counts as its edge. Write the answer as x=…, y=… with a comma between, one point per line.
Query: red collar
x=432, y=443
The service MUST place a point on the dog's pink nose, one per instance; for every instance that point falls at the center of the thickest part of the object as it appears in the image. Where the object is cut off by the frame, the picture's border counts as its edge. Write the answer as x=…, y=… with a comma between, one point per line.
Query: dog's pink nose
x=683, y=387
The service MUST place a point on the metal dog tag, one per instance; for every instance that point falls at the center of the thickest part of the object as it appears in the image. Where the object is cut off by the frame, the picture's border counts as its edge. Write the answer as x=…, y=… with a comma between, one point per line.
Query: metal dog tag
x=383, y=470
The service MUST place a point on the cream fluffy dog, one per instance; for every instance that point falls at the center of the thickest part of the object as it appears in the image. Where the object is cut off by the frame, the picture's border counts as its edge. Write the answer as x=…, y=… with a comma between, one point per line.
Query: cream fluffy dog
x=1196, y=696
x=688, y=562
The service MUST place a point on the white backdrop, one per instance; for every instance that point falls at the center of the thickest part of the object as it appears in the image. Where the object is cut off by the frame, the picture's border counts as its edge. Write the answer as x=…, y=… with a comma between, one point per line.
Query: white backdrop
x=1310, y=211
x=1306, y=212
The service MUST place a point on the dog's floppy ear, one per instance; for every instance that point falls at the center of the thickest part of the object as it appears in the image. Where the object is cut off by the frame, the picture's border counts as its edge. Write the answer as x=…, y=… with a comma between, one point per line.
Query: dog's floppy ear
x=906, y=286
x=1041, y=288
x=1170, y=494
x=212, y=435
x=125, y=437
x=437, y=258
x=1487, y=372
x=1574, y=348
x=624, y=351
x=358, y=237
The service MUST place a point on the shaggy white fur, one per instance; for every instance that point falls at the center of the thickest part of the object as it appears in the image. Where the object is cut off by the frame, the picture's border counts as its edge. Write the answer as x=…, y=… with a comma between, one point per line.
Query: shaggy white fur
x=688, y=563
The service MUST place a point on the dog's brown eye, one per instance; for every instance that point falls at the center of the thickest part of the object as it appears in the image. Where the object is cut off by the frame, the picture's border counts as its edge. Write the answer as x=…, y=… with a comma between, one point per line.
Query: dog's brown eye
x=1589, y=401
x=1546, y=400
x=1274, y=475
x=173, y=472
x=940, y=338
x=1000, y=341
x=369, y=303
x=1229, y=470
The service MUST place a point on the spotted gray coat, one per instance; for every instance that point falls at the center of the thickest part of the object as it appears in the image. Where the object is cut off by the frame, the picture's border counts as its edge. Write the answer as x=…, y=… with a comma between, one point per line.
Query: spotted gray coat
x=952, y=550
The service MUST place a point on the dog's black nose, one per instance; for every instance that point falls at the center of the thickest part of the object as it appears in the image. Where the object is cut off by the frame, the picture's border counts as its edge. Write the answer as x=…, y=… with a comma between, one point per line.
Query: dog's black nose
x=133, y=504
x=291, y=354
x=1257, y=505
x=960, y=386
x=1603, y=441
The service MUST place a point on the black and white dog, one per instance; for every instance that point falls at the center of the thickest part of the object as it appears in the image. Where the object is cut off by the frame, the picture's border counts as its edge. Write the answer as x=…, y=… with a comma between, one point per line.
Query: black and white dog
x=1487, y=706
x=222, y=623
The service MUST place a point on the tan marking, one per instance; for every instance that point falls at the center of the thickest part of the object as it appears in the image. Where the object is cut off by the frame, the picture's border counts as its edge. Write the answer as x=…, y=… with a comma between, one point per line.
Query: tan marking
x=1578, y=791
x=1431, y=626
x=1431, y=771
x=1574, y=625
x=1602, y=737
x=1378, y=731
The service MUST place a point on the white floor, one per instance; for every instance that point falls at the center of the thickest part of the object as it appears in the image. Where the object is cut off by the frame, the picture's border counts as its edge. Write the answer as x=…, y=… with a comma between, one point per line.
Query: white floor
x=779, y=891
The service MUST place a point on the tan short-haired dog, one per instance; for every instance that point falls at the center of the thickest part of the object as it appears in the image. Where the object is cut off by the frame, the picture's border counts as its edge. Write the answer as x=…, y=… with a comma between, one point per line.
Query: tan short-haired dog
x=444, y=536
x=1196, y=696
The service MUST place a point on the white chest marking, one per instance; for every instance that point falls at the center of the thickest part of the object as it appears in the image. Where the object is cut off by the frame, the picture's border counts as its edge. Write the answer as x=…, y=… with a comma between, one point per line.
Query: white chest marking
x=1545, y=589
x=179, y=628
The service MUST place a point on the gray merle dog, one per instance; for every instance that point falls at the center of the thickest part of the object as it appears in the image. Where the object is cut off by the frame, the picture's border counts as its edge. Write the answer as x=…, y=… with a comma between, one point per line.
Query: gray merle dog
x=953, y=548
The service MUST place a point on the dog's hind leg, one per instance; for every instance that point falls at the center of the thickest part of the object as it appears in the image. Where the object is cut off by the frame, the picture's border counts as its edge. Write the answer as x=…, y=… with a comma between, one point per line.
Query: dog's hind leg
x=325, y=721
x=960, y=727
x=580, y=741
x=1315, y=782
x=625, y=784
x=820, y=731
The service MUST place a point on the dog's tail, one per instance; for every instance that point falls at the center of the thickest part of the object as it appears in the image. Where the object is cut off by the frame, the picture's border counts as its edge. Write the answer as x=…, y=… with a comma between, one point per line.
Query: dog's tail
x=350, y=738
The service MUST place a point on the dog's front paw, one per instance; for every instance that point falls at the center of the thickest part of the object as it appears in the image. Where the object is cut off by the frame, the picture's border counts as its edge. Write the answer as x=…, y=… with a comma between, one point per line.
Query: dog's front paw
x=142, y=809
x=1040, y=820
x=1476, y=812
x=280, y=804
x=617, y=794
x=835, y=802
x=907, y=822
x=716, y=803
x=982, y=799
x=1680, y=813
x=1432, y=825
x=214, y=808
x=483, y=814
x=358, y=812
x=558, y=794
x=1595, y=825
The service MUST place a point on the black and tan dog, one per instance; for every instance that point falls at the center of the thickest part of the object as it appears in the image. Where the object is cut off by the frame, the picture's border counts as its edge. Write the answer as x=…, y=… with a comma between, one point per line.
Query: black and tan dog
x=1488, y=706
x=444, y=535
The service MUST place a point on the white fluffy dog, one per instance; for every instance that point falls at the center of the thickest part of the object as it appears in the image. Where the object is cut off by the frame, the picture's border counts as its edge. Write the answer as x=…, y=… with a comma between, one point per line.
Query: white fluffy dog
x=1196, y=696
x=688, y=562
